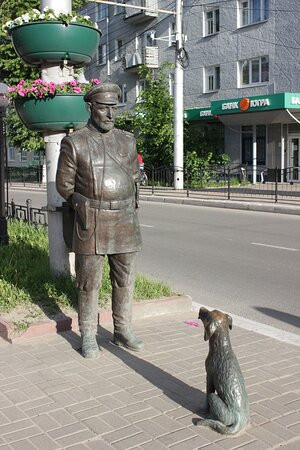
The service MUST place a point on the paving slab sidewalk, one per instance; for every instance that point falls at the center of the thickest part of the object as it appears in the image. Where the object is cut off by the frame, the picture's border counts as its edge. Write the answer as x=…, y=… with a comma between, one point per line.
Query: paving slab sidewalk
x=52, y=398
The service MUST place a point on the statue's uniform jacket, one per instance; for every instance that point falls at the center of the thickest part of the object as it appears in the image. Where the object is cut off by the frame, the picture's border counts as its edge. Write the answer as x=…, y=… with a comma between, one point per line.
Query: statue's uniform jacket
x=102, y=167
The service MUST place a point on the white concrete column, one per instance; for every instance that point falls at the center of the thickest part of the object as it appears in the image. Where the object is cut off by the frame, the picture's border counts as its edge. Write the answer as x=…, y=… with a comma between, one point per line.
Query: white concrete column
x=61, y=261
x=254, y=155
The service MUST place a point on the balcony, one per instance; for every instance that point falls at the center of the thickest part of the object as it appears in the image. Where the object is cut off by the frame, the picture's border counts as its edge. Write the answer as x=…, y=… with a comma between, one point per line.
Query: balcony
x=148, y=56
x=138, y=16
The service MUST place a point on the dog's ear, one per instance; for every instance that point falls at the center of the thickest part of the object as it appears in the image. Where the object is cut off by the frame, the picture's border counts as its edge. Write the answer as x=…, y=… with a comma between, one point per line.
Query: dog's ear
x=203, y=313
x=229, y=319
x=209, y=330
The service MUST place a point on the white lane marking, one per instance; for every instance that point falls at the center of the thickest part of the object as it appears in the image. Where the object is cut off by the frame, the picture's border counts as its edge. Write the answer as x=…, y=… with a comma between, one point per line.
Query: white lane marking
x=276, y=246
x=147, y=226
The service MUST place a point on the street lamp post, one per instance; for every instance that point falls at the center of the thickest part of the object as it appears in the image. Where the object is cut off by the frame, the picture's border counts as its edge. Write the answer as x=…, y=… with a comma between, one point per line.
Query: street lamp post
x=3, y=222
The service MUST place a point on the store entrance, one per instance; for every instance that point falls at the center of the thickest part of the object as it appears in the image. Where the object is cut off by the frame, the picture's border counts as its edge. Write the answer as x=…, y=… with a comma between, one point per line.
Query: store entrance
x=293, y=169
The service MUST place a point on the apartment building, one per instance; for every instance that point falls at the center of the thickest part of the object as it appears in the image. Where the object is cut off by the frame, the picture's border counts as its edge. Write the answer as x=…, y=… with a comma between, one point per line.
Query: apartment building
x=243, y=69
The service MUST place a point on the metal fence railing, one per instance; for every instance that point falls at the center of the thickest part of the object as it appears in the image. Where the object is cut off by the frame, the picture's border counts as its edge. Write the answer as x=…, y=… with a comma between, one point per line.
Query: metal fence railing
x=27, y=213
x=231, y=182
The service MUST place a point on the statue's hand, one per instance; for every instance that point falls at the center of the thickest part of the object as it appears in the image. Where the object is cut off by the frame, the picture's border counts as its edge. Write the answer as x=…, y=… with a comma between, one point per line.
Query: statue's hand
x=80, y=203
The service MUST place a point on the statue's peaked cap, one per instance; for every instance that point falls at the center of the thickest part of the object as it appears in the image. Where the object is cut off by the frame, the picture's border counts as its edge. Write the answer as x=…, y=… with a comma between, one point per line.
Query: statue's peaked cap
x=106, y=93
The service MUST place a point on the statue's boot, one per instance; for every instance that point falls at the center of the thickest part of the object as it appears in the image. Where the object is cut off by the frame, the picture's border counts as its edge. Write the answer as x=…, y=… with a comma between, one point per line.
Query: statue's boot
x=87, y=315
x=122, y=317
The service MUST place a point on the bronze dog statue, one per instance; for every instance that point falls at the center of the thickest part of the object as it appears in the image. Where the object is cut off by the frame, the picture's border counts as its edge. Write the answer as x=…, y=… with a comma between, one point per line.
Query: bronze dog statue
x=228, y=408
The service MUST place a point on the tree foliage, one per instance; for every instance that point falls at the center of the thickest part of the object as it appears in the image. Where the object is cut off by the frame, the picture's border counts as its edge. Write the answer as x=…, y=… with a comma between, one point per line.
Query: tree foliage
x=153, y=117
x=12, y=70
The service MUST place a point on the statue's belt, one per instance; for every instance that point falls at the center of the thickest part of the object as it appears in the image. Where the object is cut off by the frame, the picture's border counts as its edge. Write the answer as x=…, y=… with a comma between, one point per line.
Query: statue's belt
x=114, y=204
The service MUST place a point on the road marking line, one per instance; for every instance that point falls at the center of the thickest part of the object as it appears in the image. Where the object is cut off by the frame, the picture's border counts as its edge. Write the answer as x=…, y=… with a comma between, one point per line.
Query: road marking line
x=147, y=226
x=276, y=246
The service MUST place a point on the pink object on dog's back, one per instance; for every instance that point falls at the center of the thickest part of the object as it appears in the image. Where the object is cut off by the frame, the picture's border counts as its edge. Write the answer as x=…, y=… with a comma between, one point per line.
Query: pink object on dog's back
x=192, y=323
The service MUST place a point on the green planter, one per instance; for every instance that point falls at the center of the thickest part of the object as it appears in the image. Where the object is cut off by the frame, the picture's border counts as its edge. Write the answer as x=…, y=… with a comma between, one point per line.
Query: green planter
x=38, y=43
x=58, y=113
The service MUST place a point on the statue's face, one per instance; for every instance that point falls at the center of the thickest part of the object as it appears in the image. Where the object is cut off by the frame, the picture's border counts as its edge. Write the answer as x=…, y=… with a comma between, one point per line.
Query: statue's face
x=103, y=115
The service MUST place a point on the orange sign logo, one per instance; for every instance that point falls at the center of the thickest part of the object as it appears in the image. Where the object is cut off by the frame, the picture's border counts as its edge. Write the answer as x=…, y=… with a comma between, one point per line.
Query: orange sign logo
x=244, y=104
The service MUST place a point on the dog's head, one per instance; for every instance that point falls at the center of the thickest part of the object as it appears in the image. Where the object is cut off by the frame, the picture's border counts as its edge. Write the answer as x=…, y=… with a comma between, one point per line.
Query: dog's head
x=213, y=320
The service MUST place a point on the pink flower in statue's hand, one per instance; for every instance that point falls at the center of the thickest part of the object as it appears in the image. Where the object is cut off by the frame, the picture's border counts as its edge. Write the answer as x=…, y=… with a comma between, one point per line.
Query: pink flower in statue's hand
x=95, y=81
x=77, y=90
x=73, y=83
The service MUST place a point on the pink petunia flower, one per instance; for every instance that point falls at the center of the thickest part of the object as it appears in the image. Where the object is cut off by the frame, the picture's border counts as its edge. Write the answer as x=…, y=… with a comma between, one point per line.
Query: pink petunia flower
x=73, y=83
x=77, y=90
x=95, y=81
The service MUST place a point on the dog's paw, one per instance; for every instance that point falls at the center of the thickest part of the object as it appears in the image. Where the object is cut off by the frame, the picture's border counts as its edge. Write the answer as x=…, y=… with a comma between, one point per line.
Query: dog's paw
x=197, y=421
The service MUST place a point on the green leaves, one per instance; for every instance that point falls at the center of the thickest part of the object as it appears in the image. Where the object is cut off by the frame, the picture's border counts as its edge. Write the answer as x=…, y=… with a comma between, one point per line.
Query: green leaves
x=153, y=117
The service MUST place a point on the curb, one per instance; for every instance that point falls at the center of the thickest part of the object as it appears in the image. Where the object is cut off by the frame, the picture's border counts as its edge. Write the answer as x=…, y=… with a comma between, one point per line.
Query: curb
x=141, y=310
x=229, y=204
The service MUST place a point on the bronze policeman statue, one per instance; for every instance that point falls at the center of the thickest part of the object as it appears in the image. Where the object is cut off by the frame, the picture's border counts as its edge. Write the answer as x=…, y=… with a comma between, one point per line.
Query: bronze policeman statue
x=98, y=175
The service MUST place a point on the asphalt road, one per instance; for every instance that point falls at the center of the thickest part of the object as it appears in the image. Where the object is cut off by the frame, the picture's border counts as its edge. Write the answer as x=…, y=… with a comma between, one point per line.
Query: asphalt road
x=243, y=262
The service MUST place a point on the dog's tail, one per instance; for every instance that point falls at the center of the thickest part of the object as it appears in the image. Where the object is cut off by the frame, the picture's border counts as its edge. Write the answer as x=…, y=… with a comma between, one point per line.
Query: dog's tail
x=219, y=426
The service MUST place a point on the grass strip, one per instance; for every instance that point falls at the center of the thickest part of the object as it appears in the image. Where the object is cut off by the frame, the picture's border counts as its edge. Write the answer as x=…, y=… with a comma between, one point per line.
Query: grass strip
x=26, y=280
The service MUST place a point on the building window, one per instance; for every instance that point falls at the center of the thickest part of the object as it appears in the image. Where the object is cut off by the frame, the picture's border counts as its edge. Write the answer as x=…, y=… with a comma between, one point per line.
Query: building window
x=254, y=71
x=247, y=145
x=212, y=79
x=140, y=86
x=11, y=154
x=101, y=11
x=101, y=54
x=172, y=32
x=123, y=98
x=118, y=49
x=171, y=84
x=23, y=156
x=211, y=22
x=36, y=156
x=253, y=11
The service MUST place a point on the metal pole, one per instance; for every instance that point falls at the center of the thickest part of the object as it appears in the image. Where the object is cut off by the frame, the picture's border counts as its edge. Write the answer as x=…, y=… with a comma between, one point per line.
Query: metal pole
x=3, y=222
x=228, y=183
x=254, y=155
x=178, y=103
x=61, y=261
x=276, y=184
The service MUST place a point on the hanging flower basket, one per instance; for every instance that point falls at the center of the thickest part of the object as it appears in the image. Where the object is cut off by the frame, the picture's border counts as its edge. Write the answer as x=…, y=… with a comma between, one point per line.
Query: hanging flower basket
x=59, y=113
x=38, y=43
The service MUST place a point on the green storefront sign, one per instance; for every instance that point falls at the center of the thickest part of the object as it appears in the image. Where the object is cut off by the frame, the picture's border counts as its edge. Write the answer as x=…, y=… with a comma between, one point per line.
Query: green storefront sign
x=285, y=100
x=198, y=114
x=256, y=103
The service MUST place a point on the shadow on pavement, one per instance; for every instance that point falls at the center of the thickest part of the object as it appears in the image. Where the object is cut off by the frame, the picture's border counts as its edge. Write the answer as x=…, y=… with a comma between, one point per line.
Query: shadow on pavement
x=280, y=315
x=184, y=395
